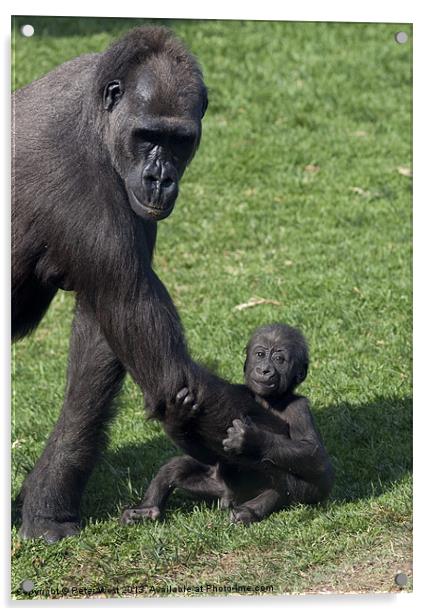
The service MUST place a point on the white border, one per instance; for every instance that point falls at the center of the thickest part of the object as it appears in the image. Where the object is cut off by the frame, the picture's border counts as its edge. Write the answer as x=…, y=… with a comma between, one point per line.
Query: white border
x=395, y=11
x=307, y=10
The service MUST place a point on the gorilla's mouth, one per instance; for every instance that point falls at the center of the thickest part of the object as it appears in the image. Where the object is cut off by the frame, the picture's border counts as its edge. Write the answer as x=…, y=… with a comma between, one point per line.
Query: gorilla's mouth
x=149, y=211
x=267, y=384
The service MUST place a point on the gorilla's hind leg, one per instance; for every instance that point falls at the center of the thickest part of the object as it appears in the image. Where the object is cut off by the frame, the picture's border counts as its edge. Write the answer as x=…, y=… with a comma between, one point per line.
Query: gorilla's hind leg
x=52, y=492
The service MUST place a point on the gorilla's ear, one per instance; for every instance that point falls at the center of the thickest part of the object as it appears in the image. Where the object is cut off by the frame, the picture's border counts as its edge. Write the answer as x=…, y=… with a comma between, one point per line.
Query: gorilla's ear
x=112, y=93
x=246, y=358
x=301, y=373
x=204, y=104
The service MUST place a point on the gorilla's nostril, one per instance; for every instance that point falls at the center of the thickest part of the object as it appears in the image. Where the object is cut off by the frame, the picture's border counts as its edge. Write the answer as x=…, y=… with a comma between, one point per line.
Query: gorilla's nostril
x=152, y=179
x=167, y=182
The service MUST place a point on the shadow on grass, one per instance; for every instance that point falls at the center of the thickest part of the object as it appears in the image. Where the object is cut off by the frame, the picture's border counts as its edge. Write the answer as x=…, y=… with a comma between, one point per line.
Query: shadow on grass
x=370, y=445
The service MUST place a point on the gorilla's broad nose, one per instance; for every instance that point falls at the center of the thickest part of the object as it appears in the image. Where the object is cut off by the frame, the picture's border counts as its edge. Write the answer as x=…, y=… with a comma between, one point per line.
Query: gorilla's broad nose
x=151, y=174
x=159, y=180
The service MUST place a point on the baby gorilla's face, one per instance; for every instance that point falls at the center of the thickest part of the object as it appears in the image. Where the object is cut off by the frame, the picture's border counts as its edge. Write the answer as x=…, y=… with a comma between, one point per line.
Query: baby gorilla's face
x=268, y=368
x=276, y=362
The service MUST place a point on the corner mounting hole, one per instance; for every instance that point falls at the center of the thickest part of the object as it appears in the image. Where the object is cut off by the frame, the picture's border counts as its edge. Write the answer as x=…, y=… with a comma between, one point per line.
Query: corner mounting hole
x=401, y=37
x=27, y=30
x=401, y=579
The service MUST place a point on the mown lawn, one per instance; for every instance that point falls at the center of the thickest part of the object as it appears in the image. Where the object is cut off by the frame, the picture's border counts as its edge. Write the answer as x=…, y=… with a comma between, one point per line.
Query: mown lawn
x=300, y=193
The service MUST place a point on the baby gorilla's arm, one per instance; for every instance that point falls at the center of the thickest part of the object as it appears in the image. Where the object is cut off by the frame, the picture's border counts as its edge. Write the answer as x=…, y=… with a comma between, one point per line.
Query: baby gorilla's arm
x=304, y=456
x=244, y=438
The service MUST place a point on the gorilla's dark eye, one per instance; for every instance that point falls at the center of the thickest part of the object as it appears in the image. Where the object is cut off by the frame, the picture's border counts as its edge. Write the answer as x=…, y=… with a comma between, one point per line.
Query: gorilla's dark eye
x=260, y=354
x=279, y=359
x=183, y=141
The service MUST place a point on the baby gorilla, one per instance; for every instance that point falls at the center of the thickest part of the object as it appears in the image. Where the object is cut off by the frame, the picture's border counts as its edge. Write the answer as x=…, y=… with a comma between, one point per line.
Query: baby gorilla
x=264, y=469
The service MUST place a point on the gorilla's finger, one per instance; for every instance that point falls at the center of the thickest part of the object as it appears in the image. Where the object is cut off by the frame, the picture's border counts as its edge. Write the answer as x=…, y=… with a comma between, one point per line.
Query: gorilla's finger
x=188, y=399
x=182, y=394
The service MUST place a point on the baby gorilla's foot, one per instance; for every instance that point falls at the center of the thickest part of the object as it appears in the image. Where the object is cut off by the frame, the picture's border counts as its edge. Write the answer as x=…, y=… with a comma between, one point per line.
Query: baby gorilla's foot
x=243, y=515
x=132, y=516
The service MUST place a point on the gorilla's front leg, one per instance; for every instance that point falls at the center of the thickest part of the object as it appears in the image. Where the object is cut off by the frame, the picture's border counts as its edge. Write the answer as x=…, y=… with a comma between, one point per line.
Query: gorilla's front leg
x=52, y=492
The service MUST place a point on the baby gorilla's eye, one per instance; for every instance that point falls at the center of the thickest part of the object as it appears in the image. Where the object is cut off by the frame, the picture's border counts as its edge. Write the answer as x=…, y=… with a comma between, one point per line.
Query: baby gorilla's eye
x=279, y=359
x=260, y=354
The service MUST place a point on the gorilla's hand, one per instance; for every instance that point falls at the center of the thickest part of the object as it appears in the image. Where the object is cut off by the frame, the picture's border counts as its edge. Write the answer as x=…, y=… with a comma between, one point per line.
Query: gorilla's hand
x=183, y=407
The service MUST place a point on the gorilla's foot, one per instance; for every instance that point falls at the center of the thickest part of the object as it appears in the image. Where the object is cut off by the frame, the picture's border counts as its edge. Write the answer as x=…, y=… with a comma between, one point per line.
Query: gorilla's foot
x=48, y=529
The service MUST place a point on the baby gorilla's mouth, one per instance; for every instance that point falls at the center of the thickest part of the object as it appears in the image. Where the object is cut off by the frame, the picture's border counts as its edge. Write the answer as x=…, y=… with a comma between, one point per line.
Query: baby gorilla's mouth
x=269, y=384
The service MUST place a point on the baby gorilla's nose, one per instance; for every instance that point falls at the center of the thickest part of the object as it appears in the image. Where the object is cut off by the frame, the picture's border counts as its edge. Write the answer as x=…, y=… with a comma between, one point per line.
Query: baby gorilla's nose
x=266, y=371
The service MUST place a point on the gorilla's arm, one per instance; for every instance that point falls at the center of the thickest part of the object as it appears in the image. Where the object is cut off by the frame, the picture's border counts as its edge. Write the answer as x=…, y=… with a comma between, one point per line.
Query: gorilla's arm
x=301, y=453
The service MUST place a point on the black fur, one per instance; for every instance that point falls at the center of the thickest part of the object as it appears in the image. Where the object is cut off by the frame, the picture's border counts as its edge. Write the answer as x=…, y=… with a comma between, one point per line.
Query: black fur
x=271, y=457
x=99, y=146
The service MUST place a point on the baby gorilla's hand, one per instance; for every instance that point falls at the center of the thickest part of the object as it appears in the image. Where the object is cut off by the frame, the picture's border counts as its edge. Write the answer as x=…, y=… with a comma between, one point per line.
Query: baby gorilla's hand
x=243, y=437
x=184, y=405
x=238, y=437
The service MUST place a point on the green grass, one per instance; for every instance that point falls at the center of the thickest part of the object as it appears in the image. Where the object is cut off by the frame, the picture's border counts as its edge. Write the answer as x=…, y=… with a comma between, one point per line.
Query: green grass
x=295, y=196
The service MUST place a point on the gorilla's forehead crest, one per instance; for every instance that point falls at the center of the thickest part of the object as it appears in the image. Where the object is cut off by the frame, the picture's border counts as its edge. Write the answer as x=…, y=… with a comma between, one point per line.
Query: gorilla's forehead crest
x=160, y=86
x=164, y=69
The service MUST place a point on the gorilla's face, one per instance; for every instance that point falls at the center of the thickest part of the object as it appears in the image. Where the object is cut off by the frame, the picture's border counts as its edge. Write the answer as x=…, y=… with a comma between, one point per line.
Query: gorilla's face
x=276, y=362
x=268, y=368
x=155, y=128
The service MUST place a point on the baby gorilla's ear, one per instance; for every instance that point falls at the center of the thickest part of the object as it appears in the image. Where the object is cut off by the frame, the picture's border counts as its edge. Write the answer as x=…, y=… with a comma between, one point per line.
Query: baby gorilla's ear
x=245, y=366
x=301, y=373
x=246, y=358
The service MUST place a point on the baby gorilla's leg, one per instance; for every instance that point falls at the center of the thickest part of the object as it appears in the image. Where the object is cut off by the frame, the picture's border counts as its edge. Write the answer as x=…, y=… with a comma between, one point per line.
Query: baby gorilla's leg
x=307, y=492
x=257, y=508
x=180, y=472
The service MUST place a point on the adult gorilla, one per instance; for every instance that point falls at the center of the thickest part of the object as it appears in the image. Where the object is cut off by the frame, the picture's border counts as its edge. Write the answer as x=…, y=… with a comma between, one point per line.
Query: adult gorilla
x=100, y=145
